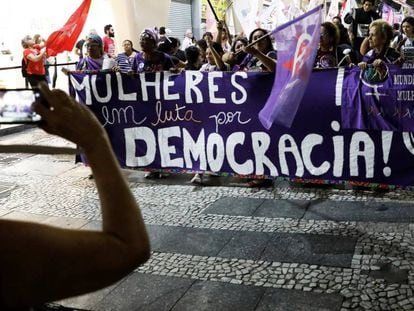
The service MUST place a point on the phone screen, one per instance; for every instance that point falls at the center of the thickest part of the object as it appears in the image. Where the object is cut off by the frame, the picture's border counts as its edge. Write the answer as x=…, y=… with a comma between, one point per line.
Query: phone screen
x=16, y=106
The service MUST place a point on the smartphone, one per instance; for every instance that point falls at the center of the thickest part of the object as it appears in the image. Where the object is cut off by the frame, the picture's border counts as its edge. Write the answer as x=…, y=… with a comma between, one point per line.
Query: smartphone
x=16, y=106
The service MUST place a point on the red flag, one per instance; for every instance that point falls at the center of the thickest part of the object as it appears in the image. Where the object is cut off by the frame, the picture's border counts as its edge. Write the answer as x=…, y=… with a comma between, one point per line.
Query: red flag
x=65, y=38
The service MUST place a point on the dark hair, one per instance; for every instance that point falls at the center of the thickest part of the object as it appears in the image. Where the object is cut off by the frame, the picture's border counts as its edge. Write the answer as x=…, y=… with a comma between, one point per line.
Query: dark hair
x=165, y=47
x=107, y=27
x=409, y=20
x=217, y=47
x=132, y=44
x=202, y=44
x=162, y=30
x=372, y=1
x=208, y=33
x=242, y=40
x=175, y=43
x=269, y=45
x=192, y=53
x=333, y=32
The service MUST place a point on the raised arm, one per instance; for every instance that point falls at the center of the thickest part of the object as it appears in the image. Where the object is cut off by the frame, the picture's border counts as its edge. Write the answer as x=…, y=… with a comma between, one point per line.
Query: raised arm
x=267, y=61
x=36, y=58
x=217, y=57
x=40, y=263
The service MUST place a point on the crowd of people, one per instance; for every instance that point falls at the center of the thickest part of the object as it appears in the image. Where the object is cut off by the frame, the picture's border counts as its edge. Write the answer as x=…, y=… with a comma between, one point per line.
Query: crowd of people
x=369, y=42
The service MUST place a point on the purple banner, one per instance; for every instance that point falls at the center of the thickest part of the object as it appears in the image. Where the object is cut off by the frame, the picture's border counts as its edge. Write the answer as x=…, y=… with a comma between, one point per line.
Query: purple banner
x=374, y=100
x=198, y=121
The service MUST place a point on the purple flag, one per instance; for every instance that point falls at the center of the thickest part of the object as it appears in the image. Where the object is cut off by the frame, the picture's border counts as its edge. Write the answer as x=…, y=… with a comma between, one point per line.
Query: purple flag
x=297, y=44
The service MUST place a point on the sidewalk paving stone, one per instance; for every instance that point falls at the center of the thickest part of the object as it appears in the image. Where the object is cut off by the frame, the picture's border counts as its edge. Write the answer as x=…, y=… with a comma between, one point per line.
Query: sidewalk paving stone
x=294, y=300
x=145, y=292
x=206, y=296
x=203, y=242
x=316, y=249
x=361, y=211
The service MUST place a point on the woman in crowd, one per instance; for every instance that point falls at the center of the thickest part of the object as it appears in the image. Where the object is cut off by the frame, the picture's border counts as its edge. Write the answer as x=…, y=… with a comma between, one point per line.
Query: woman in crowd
x=33, y=59
x=214, y=55
x=193, y=55
x=202, y=46
x=261, y=56
x=150, y=59
x=380, y=35
x=124, y=60
x=169, y=47
x=329, y=53
x=223, y=36
x=406, y=46
x=236, y=55
x=95, y=56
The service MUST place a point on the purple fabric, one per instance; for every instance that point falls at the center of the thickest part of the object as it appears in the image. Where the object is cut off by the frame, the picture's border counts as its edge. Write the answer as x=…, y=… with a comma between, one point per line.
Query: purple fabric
x=372, y=103
x=88, y=63
x=297, y=44
x=179, y=109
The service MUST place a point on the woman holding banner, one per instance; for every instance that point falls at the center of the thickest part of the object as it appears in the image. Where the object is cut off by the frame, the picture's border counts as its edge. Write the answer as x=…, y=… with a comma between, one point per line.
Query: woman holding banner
x=380, y=36
x=150, y=59
x=261, y=55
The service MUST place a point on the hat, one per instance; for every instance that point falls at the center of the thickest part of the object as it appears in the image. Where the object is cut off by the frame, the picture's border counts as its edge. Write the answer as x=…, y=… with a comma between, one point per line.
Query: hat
x=152, y=33
x=95, y=38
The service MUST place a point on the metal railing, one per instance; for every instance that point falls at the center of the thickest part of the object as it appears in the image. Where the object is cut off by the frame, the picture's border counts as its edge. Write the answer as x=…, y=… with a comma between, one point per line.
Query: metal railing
x=55, y=71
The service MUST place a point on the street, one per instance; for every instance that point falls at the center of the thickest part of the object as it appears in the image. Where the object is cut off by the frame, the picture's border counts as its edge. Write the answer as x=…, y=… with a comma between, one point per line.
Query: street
x=224, y=246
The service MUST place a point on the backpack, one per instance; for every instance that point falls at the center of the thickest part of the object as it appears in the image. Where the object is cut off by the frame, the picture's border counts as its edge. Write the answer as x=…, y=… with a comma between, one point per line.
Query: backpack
x=24, y=68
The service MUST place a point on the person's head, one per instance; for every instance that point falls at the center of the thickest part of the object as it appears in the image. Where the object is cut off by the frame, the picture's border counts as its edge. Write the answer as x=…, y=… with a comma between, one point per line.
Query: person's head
x=264, y=45
x=368, y=5
x=27, y=42
x=238, y=45
x=38, y=39
x=202, y=45
x=166, y=47
x=128, y=46
x=209, y=54
x=109, y=30
x=148, y=40
x=208, y=34
x=162, y=31
x=175, y=43
x=329, y=36
x=407, y=26
x=337, y=20
x=95, y=46
x=380, y=34
x=192, y=53
x=189, y=33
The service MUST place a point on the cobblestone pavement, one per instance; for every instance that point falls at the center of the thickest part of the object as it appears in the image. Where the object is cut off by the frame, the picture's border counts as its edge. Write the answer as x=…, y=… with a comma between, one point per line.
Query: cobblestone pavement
x=229, y=247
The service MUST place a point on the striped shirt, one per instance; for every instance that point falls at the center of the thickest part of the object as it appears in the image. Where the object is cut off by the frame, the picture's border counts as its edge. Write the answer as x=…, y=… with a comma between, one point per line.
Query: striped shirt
x=125, y=62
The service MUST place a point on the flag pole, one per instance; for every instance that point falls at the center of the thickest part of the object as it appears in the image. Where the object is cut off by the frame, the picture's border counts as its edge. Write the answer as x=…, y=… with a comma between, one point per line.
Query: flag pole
x=257, y=40
x=212, y=9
